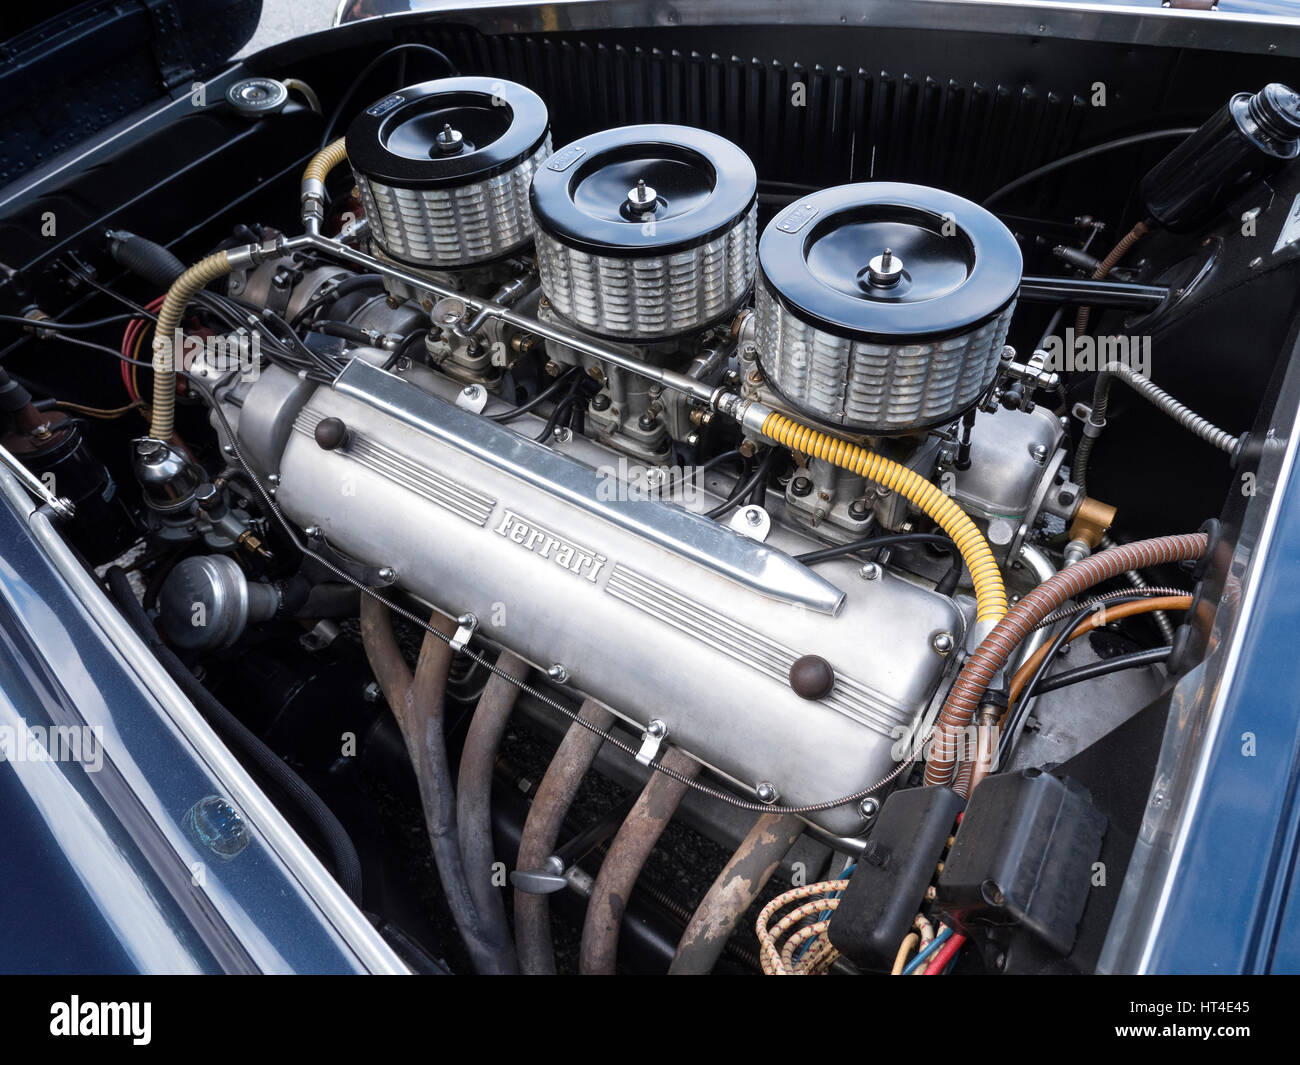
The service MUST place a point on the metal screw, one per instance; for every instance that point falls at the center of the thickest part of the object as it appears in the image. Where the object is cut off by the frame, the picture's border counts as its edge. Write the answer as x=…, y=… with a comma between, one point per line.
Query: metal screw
x=1038, y=452
x=869, y=807
x=657, y=729
x=470, y=391
x=387, y=574
x=870, y=572
x=942, y=642
x=312, y=531
x=559, y=674
x=766, y=791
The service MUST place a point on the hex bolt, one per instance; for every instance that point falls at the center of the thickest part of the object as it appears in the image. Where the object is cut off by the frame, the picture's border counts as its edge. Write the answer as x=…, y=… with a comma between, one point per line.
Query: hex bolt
x=869, y=808
x=800, y=486
x=558, y=674
x=942, y=642
x=387, y=574
x=870, y=572
x=766, y=792
x=657, y=729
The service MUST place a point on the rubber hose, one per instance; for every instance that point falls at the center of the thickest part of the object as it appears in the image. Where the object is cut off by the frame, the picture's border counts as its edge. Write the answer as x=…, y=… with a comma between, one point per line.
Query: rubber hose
x=182, y=290
x=554, y=796
x=733, y=892
x=1000, y=644
x=145, y=258
x=990, y=594
x=474, y=791
x=236, y=735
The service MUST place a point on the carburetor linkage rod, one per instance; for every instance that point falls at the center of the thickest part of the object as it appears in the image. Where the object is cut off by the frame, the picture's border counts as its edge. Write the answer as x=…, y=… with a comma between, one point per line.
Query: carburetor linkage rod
x=487, y=309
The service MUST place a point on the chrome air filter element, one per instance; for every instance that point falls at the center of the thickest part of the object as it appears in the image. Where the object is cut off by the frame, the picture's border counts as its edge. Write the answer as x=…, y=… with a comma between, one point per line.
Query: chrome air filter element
x=443, y=170
x=883, y=307
x=646, y=232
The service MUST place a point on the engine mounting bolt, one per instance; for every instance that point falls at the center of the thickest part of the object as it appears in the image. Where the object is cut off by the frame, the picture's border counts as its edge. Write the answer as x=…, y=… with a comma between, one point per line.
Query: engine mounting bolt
x=942, y=642
x=870, y=572
x=800, y=486
x=869, y=807
x=766, y=792
x=560, y=675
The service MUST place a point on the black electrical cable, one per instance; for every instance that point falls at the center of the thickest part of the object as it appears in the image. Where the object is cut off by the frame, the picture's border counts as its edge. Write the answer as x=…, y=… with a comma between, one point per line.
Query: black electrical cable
x=59, y=327
x=342, y=851
x=550, y=390
x=336, y=292
x=743, y=487
x=758, y=496
x=872, y=542
x=1086, y=153
x=369, y=68
x=1093, y=670
x=1006, y=742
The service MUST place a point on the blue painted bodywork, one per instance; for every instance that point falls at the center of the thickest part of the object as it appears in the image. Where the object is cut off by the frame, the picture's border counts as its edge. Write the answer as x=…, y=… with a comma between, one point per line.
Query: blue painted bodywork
x=97, y=869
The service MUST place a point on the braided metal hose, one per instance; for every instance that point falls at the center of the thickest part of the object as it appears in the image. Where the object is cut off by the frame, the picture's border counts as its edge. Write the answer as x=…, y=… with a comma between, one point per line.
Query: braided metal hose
x=313, y=194
x=1000, y=644
x=163, y=417
x=1139, y=582
x=1181, y=413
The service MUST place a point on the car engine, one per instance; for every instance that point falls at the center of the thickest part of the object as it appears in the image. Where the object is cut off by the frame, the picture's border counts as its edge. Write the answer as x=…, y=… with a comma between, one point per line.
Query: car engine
x=603, y=504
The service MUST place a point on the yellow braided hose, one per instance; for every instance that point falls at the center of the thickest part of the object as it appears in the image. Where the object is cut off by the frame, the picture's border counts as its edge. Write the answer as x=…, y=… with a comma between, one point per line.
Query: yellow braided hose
x=166, y=335
x=325, y=160
x=990, y=594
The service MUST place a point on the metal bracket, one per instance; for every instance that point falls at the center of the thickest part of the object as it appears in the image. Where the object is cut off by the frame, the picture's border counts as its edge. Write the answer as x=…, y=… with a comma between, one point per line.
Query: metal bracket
x=465, y=626
x=651, y=739
x=545, y=881
x=370, y=576
x=472, y=398
x=753, y=522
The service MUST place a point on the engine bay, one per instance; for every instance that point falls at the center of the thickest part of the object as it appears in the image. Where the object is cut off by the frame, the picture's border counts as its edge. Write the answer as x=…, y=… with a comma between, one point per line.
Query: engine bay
x=646, y=558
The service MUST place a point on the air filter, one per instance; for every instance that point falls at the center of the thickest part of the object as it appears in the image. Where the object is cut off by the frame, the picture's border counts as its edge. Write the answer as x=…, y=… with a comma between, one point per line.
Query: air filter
x=646, y=232
x=883, y=307
x=443, y=170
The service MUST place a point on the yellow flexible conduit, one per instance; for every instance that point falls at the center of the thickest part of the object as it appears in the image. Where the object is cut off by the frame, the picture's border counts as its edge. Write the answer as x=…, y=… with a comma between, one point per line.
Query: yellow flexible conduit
x=167, y=334
x=325, y=160
x=990, y=595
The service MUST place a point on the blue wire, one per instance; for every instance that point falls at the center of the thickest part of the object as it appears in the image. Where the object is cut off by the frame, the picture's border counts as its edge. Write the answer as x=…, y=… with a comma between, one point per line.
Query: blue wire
x=826, y=913
x=938, y=941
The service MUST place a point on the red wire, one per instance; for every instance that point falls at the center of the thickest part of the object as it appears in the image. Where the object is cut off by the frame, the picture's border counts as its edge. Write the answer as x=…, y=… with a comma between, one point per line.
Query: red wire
x=945, y=955
x=133, y=330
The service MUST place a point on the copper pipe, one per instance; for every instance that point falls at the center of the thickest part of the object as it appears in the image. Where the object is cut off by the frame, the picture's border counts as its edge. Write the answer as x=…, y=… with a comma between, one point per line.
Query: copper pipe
x=474, y=793
x=733, y=892
x=1001, y=643
x=417, y=703
x=623, y=863
x=554, y=796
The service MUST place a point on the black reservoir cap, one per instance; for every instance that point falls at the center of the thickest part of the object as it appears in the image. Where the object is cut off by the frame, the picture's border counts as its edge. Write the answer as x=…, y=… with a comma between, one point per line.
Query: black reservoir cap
x=643, y=190
x=882, y=260
x=447, y=133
